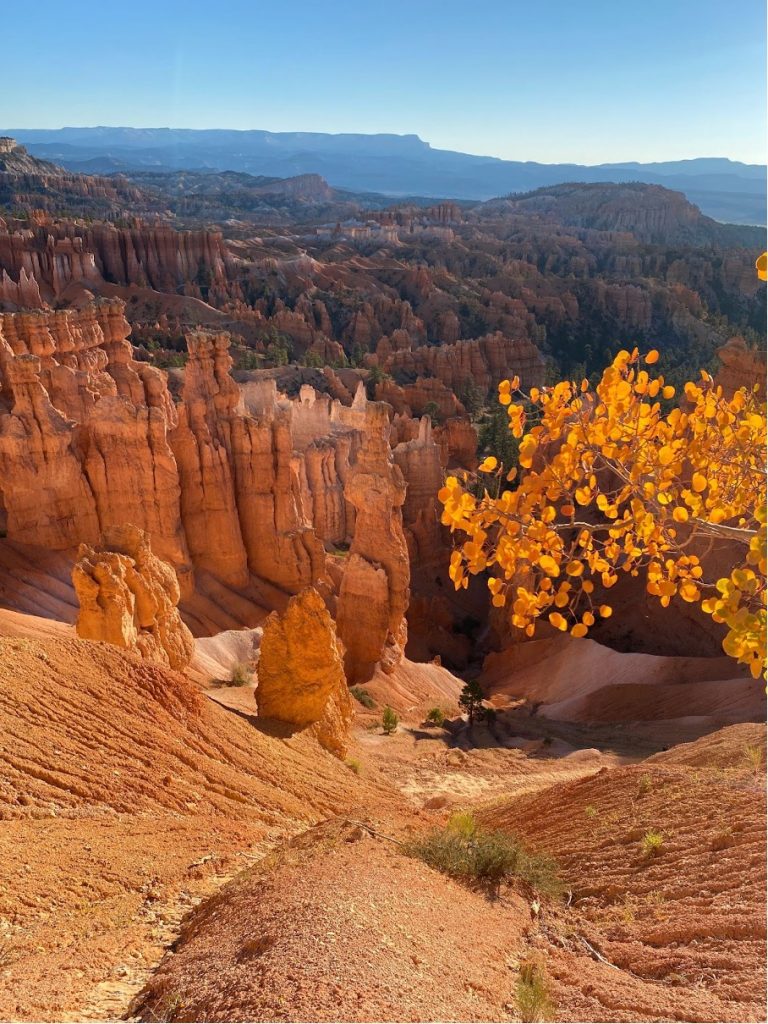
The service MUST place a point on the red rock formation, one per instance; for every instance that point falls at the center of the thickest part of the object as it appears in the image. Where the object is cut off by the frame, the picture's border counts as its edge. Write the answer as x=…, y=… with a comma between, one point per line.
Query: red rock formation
x=374, y=591
x=47, y=263
x=129, y=597
x=301, y=672
x=485, y=360
x=232, y=484
x=457, y=438
x=742, y=367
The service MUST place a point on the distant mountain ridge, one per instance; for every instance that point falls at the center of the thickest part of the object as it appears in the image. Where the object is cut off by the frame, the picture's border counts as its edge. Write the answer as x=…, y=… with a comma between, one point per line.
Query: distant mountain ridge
x=392, y=164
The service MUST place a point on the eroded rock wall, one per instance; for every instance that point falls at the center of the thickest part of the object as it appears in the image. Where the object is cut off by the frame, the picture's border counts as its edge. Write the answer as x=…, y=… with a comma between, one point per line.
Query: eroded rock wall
x=232, y=484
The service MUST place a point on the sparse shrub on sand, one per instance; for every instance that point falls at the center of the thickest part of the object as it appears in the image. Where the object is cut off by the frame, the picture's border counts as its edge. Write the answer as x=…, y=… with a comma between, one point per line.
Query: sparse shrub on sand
x=651, y=843
x=389, y=721
x=534, y=1002
x=363, y=697
x=435, y=716
x=466, y=851
x=354, y=765
x=166, y=1008
x=644, y=786
x=241, y=675
x=753, y=755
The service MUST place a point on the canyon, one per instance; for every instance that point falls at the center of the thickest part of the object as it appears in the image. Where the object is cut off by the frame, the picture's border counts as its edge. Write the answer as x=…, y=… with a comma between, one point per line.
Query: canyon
x=227, y=405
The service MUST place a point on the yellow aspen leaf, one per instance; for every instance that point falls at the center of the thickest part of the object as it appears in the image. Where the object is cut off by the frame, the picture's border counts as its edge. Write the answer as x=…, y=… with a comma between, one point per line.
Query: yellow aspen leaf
x=652, y=357
x=488, y=464
x=579, y=629
x=558, y=621
x=549, y=565
x=605, y=611
x=680, y=514
x=699, y=482
x=575, y=568
x=668, y=391
x=588, y=619
x=666, y=455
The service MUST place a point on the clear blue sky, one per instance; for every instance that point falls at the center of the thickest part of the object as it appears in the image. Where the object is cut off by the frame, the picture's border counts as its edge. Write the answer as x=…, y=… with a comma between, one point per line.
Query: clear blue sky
x=586, y=80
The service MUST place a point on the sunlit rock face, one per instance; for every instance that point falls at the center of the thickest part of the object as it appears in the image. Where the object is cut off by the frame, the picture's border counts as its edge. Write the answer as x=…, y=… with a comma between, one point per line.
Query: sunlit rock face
x=128, y=597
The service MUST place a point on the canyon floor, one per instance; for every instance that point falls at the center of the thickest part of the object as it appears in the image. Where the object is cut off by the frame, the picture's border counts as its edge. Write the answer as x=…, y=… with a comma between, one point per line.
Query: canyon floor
x=166, y=856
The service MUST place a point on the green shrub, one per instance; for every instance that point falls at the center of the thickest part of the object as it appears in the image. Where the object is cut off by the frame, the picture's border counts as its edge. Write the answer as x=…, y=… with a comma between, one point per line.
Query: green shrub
x=436, y=716
x=362, y=697
x=651, y=842
x=241, y=675
x=467, y=852
x=533, y=999
x=389, y=720
x=354, y=765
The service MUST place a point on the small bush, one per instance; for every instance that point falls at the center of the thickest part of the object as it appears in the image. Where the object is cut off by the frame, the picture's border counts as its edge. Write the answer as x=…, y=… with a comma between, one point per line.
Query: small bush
x=644, y=785
x=753, y=754
x=362, y=697
x=533, y=999
x=590, y=811
x=389, y=721
x=354, y=765
x=436, y=716
x=462, y=823
x=471, y=854
x=651, y=843
x=241, y=675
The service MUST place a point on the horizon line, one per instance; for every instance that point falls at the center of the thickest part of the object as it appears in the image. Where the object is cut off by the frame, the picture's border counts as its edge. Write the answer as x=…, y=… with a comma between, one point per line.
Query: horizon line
x=397, y=135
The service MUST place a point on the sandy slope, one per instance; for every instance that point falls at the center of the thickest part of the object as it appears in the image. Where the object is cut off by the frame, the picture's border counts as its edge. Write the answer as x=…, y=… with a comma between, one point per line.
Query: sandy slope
x=342, y=927
x=116, y=778
x=685, y=927
x=580, y=680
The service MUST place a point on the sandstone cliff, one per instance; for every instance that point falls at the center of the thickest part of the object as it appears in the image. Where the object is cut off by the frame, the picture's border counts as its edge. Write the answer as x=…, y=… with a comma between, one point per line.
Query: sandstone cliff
x=128, y=597
x=301, y=672
x=233, y=485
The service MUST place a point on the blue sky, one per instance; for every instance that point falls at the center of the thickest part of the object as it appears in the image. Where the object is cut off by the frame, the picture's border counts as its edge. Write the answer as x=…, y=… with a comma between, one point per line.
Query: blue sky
x=587, y=81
